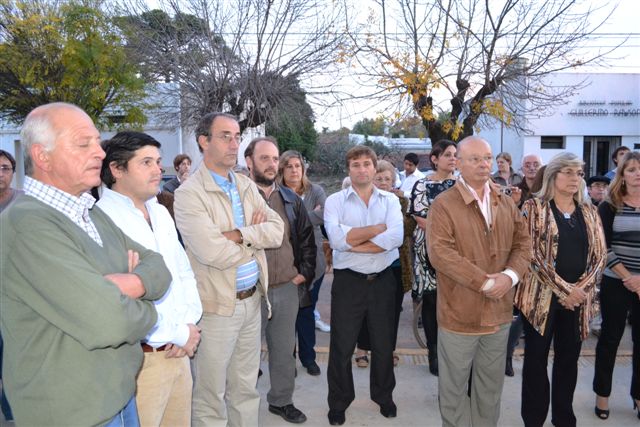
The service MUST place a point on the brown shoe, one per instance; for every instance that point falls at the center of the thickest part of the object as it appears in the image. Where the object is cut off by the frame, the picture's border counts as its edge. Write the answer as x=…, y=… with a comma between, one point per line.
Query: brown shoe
x=362, y=361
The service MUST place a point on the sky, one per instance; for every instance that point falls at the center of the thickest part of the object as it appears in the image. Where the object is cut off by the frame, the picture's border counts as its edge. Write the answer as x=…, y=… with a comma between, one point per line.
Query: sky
x=622, y=23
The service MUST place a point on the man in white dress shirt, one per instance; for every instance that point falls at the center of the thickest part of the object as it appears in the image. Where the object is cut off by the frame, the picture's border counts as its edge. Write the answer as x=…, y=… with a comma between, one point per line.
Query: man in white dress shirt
x=411, y=173
x=365, y=229
x=132, y=172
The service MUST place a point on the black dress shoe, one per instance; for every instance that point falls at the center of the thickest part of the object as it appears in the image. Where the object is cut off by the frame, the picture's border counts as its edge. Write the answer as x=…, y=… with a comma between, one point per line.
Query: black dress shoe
x=289, y=413
x=389, y=410
x=508, y=369
x=313, y=369
x=336, y=418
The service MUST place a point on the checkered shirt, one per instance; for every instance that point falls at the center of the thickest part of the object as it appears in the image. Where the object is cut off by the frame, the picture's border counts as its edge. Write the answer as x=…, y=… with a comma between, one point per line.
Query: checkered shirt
x=75, y=208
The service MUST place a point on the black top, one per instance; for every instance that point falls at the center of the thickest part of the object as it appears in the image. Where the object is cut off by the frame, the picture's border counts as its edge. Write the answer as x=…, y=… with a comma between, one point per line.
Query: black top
x=573, y=244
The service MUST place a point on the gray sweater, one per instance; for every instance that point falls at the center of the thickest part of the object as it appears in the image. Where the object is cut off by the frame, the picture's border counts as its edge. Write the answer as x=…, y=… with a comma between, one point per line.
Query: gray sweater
x=72, y=339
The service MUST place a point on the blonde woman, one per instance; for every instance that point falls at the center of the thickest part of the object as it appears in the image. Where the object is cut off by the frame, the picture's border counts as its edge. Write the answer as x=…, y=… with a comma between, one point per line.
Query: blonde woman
x=557, y=293
x=292, y=173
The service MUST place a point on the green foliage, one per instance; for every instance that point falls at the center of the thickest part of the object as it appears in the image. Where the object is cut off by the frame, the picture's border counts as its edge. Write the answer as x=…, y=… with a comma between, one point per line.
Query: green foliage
x=67, y=52
x=293, y=134
x=370, y=126
x=381, y=150
x=292, y=122
x=331, y=153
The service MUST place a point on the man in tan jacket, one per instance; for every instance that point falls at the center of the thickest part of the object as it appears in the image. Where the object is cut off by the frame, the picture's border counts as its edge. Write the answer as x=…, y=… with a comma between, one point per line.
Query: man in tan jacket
x=480, y=249
x=226, y=225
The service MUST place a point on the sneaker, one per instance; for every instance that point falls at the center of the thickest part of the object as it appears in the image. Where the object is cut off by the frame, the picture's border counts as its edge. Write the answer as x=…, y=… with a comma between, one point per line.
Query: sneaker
x=321, y=326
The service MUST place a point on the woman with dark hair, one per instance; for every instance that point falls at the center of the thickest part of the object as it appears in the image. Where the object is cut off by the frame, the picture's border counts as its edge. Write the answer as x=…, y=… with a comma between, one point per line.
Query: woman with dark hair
x=557, y=293
x=505, y=175
x=292, y=173
x=443, y=160
x=620, y=287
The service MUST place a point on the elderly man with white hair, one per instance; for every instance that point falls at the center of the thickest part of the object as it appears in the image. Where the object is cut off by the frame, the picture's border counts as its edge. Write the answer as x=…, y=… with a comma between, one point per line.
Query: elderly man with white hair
x=76, y=294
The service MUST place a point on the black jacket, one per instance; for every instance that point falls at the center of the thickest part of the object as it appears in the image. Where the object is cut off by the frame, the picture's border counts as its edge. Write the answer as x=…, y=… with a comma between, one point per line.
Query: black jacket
x=302, y=241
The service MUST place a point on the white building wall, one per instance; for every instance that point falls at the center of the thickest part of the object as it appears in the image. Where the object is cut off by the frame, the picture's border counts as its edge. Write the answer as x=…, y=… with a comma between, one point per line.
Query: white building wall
x=608, y=106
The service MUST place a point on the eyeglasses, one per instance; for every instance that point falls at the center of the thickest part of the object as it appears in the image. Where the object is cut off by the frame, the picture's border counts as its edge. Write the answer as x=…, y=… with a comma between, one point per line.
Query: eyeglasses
x=475, y=160
x=228, y=137
x=571, y=174
x=6, y=169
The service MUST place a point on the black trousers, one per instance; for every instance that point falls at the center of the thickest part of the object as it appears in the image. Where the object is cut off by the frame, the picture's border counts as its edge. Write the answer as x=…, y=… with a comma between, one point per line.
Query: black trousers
x=562, y=327
x=430, y=321
x=364, y=343
x=615, y=303
x=354, y=298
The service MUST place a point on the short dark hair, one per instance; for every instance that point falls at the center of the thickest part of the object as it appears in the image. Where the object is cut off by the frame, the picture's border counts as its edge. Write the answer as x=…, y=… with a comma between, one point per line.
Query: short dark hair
x=614, y=156
x=360, y=151
x=248, y=152
x=179, y=159
x=439, y=148
x=204, y=125
x=413, y=158
x=10, y=158
x=120, y=149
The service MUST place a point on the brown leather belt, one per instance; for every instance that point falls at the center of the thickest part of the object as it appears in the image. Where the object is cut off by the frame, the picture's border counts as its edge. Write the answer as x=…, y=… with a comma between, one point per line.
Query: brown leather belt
x=146, y=348
x=246, y=293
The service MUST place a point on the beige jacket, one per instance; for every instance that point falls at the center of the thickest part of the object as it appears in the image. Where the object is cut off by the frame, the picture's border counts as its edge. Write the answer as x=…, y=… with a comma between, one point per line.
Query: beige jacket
x=463, y=250
x=203, y=212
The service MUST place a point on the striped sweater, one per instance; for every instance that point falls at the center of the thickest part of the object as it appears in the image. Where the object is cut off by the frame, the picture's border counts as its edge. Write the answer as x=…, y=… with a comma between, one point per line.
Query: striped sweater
x=622, y=233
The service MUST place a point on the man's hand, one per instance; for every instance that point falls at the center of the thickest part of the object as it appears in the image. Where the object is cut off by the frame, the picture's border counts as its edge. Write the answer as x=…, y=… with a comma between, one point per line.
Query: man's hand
x=298, y=280
x=134, y=259
x=174, y=351
x=234, y=235
x=128, y=283
x=380, y=228
x=574, y=299
x=189, y=348
x=516, y=194
x=258, y=217
x=501, y=285
x=422, y=222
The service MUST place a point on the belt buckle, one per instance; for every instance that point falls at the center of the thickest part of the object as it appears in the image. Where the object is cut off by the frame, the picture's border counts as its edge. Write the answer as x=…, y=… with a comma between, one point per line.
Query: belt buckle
x=370, y=277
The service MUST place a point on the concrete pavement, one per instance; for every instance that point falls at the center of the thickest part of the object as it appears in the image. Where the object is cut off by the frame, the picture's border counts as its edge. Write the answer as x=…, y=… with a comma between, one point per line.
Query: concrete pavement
x=416, y=392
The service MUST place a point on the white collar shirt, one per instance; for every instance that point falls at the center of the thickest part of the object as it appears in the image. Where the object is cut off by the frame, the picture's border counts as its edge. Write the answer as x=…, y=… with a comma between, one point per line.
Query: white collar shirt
x=484, y=203
x=345, y=210
x=409, y=181
x=181, y=304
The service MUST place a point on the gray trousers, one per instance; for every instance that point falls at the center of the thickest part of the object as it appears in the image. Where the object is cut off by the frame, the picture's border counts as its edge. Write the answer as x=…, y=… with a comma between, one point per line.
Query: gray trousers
x=457, y=354
x=280, y=332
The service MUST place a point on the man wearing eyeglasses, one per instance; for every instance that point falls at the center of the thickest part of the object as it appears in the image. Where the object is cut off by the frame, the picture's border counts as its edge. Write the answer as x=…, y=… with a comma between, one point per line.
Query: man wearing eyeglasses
x=226, y=225
x=7, y=169
x=7, y=196
x=479, y=246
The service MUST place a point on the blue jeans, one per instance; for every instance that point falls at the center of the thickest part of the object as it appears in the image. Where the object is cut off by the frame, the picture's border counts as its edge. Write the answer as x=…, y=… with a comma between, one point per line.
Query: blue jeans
x=4, y=403
x=306, y=327
x=127, y=417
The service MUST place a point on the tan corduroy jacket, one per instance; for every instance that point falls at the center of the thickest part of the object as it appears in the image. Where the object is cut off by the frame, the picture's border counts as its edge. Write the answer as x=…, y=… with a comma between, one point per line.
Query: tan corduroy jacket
x=203, y=212
x=463, y=250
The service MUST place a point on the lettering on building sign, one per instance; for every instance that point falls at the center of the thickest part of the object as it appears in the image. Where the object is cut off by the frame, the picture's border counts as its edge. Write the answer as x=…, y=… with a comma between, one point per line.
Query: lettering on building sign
x=601, y=108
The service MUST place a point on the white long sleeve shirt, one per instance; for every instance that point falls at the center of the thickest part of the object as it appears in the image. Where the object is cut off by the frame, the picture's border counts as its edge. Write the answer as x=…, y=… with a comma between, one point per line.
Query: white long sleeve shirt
x=181, y=304
x=345, y=210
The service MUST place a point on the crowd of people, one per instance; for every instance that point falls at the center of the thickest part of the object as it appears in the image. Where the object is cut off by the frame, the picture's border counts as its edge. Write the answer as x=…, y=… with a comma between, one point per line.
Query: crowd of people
x=148, y=306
